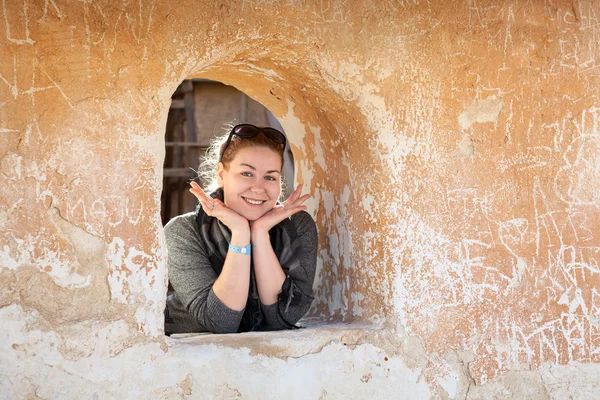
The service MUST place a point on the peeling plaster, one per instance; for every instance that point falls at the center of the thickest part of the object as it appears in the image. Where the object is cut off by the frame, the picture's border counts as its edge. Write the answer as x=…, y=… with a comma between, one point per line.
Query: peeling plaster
x=87, y=247
x=475, y=250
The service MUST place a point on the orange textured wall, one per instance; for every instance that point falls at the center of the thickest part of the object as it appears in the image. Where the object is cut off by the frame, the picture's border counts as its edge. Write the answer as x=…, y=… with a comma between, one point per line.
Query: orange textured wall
x=452, y=150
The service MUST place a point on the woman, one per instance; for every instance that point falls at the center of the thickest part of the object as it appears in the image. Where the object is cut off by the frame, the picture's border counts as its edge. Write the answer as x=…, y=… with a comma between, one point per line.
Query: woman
x=242, y=261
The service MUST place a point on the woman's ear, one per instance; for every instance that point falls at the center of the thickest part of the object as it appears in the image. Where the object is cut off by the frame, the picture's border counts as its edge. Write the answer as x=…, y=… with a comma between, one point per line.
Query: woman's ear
x=220, y=174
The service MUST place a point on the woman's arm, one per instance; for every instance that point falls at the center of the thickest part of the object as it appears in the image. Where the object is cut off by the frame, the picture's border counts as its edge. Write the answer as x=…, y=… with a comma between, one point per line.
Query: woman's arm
x=231, y=287
x=193, y=278
x=268, y=271
x=293, y=286
x=269, y=274
x=294, y=295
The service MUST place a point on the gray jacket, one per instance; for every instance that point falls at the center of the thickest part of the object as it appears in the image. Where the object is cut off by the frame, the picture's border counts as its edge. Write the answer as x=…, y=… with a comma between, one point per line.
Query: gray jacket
x=197, y=247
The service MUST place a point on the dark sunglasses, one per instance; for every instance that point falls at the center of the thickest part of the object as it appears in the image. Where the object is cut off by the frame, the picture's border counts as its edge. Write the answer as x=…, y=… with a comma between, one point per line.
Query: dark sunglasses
x=247, y=131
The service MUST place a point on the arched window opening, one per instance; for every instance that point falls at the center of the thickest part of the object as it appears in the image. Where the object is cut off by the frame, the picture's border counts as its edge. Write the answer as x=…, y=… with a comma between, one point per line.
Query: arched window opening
x=200, y=110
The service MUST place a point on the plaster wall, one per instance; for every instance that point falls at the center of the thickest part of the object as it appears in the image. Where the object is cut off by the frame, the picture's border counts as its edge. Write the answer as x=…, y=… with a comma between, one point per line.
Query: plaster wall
x=452, y=150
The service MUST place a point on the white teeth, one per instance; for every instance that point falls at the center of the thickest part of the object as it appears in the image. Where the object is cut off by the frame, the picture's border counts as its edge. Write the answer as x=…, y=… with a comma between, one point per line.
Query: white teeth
x=254, y=202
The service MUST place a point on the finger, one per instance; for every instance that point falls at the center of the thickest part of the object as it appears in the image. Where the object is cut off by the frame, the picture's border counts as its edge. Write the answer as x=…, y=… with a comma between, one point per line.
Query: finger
x=196, y=187
x=277, y=215
x=197, y=191
x=294, y=196
x=204, y=202
x=207, y=205
x=196, y=194
x=299, y=201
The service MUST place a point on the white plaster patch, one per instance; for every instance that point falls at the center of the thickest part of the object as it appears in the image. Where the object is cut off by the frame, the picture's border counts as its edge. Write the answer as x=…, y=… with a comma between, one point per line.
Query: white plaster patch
x=357, y=299
x=134, y=278
x=334, y=246
x=65, y=277
x=573, y=298
x=342, y=222
x=465, y=148
x=328, y=202
x=367, y=203
x=60, y=266
x=20, y=342
x=339, y=251
x=149, y=320
x=291, y=123
x=11, y=166
x=6, y=261
x=131, y=273
x=318, y=147
x=450, y=384
x=23, y=255
x=85, y=246
x=393, y=145
x=481, y=111
x=337, y=299
x=322, y=298
x=342, y=76
x=267, y=73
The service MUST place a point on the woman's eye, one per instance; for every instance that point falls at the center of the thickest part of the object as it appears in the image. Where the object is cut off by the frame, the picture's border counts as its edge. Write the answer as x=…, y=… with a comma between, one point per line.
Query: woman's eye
x=270, y=178
x=246, y=173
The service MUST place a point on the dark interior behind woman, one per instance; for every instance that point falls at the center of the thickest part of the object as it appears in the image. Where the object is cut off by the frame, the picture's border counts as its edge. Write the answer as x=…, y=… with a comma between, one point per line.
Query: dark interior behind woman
x=242, y=261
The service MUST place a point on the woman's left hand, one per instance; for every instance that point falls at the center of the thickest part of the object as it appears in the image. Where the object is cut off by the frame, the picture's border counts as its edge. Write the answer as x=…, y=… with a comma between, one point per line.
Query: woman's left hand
x=291, y=206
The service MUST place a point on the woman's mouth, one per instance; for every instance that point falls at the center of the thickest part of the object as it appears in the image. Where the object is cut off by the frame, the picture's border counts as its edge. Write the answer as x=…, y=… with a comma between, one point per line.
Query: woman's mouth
x=253, y=202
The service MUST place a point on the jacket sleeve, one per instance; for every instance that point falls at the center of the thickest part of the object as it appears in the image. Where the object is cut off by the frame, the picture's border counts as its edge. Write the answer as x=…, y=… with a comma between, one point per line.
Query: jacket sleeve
x=296, y=293
x=192, y=278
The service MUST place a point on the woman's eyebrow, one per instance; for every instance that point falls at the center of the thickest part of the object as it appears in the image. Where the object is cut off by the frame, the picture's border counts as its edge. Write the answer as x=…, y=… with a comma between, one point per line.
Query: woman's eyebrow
x=254, y=169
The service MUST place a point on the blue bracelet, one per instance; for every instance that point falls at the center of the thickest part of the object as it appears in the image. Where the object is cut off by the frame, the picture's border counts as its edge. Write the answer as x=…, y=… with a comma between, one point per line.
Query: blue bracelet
x=242, y=250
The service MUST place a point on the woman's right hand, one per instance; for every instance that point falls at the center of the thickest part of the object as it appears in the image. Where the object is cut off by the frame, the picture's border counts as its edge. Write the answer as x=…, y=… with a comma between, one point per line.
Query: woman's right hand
x=216, y=208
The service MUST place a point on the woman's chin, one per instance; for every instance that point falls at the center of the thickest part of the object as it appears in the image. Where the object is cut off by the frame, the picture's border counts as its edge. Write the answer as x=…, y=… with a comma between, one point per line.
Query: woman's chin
x=252, y=213
x=253, y=216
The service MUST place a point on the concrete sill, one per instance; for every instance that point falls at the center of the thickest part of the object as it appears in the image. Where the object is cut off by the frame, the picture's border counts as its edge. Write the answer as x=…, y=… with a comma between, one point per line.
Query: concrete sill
x=281, y=344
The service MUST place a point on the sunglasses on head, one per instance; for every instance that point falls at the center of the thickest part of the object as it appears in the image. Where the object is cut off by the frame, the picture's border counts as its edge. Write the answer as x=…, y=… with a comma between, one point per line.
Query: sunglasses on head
x=247, y=131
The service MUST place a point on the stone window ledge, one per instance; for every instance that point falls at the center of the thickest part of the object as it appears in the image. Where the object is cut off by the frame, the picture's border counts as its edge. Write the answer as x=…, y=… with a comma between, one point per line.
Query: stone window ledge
x=281, y=344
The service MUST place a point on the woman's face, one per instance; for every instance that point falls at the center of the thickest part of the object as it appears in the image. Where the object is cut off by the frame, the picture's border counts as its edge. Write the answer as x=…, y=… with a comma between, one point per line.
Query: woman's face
x=252, y=183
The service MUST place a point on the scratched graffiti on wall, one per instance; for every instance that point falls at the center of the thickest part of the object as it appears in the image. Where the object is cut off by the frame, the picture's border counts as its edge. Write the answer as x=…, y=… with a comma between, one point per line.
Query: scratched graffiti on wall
x=455, y=190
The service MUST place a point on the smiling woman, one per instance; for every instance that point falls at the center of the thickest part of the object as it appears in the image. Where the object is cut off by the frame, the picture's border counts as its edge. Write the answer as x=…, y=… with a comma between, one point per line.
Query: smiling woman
x=242, y=261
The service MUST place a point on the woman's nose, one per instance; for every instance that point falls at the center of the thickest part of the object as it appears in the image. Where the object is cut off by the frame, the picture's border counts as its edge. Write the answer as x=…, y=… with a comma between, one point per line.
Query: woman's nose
x=258, y=186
